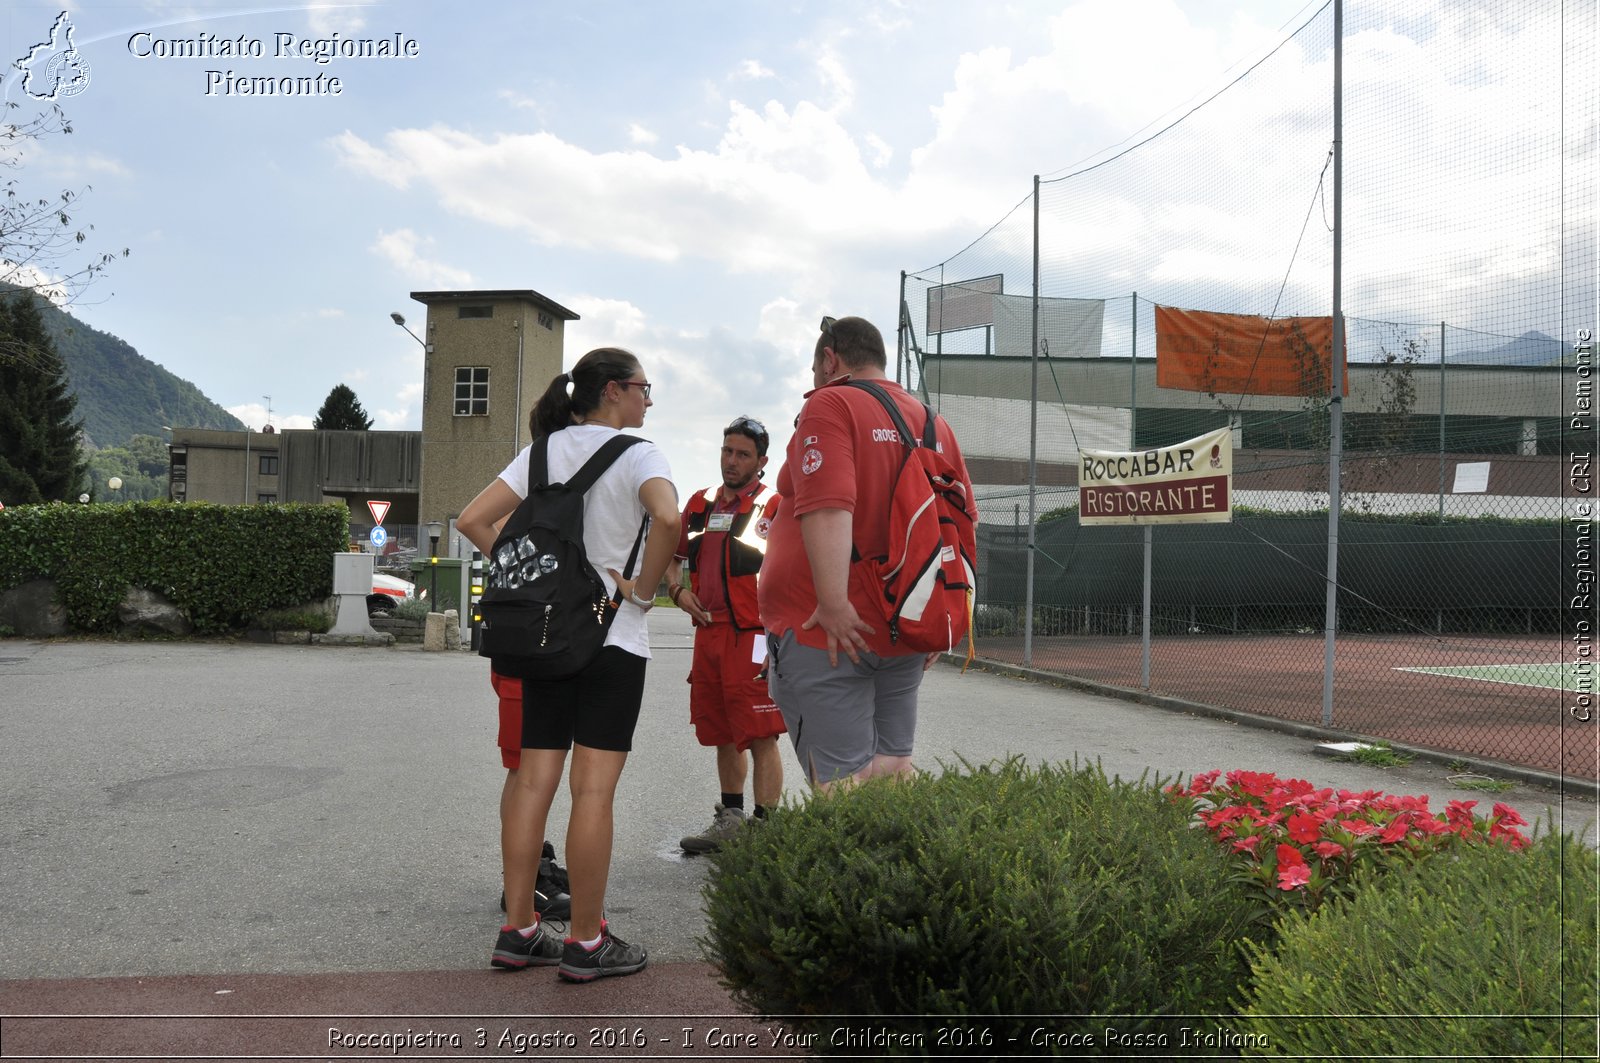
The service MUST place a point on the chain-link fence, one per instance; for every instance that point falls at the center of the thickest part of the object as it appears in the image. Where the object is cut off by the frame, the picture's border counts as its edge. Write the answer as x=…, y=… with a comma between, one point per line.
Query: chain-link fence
x=1461, y=211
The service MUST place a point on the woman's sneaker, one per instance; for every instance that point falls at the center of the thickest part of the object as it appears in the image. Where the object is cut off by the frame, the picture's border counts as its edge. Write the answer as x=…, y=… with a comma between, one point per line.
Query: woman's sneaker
x=514, y=951
x=611, y=956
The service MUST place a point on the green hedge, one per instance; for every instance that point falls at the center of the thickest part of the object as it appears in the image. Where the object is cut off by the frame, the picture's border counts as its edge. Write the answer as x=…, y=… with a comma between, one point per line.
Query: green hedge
x=1002, y=894
x=1473, y=954
x=219, y=564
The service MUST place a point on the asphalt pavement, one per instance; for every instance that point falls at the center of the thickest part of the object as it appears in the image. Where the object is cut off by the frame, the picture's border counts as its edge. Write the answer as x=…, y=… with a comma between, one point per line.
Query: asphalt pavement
x=245, y=846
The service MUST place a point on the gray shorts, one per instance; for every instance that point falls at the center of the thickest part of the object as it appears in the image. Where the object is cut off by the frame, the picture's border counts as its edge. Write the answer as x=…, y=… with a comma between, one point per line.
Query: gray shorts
x=840, y=718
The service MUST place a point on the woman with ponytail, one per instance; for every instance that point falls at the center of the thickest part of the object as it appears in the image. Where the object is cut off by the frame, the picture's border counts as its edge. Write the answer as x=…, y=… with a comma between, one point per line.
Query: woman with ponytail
x=593, y=713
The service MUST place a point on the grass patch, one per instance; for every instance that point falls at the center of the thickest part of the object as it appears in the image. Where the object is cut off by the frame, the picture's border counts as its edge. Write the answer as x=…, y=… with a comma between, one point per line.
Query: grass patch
x=314, y=620
x=1482, y=783
x=1378, y=754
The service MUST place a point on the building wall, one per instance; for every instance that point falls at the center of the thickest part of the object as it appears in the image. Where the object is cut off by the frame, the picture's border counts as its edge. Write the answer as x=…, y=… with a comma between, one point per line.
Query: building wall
x=225, y=467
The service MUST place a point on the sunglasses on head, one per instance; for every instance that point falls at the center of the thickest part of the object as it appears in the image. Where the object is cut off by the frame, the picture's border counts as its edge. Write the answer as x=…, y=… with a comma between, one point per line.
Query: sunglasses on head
x=746, y=424
x=827, y=325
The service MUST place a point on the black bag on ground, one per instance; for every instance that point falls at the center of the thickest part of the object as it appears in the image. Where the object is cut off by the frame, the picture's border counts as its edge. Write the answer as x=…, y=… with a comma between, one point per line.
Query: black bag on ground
x=545, y=609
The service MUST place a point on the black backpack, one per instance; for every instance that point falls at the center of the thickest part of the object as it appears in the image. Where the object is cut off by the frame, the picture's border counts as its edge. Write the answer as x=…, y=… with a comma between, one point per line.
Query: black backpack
x=545, y=609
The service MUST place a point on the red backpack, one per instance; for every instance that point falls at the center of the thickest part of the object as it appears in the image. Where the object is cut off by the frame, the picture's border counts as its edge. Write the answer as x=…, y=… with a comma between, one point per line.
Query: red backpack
x=926, y=583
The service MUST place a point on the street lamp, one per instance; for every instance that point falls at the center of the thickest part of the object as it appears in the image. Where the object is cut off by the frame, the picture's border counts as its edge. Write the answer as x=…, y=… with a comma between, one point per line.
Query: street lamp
x=435, y=529
x=399, y=319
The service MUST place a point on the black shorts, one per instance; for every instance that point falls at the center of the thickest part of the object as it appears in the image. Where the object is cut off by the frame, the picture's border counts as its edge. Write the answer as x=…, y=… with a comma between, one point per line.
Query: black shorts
x=598, y=707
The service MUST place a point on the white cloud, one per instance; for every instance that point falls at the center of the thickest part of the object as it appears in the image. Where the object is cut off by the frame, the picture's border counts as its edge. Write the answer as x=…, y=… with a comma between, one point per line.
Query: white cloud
x=777, y=188
x=521, y=102
x=326, y=20
x=638, y=134
x=882, y=150
x=752, y=70
x=254, y=416
x=402, y=248
x=836, y=79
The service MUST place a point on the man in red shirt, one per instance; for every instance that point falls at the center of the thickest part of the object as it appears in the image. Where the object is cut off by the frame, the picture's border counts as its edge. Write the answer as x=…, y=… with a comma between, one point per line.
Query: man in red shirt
x=722, y=547
x=854, y=719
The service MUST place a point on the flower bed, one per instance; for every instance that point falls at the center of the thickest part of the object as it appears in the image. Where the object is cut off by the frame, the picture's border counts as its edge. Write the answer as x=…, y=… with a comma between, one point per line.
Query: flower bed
x=1297, y=841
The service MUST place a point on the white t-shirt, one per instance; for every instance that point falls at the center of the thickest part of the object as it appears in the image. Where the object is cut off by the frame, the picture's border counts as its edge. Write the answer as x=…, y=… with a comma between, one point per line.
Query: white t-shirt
x=611, y=512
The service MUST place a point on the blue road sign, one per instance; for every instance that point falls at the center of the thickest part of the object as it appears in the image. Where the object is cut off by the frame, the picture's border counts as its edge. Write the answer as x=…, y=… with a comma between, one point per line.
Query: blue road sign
x=377, y=537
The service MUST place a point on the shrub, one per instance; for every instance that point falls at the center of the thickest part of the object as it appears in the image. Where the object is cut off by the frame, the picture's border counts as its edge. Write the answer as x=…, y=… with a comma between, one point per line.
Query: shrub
x=997, y=620
x=219, y=564
x=1000, y=892
x=410, y=609
x=1478, y=953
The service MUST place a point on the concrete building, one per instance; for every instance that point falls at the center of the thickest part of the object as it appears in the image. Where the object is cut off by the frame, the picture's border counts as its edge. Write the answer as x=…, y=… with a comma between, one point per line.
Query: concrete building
x=489, y=356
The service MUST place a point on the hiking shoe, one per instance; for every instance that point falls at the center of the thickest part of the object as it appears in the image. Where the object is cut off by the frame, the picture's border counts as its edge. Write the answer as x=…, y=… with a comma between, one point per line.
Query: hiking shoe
x=725, y=823
x=514, y=952
x=611, y=956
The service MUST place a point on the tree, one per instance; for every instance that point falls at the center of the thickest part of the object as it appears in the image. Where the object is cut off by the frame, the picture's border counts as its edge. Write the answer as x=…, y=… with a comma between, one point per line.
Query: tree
x=39, y=453
x=141, y=465
x=37, y=236
x=40, y=460
x=341, y=412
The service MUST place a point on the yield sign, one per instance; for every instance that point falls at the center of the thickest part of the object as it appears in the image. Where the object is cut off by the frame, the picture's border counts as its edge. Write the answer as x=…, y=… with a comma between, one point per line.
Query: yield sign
x=379, y=510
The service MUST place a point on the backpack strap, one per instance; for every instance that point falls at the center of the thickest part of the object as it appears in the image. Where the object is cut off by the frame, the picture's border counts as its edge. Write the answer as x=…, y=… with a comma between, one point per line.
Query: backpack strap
x=584, y=478
x=907, y=440
x=929, y=438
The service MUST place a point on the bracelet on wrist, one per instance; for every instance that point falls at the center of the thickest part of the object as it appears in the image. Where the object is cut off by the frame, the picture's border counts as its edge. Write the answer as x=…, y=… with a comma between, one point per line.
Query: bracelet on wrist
x=642, y=603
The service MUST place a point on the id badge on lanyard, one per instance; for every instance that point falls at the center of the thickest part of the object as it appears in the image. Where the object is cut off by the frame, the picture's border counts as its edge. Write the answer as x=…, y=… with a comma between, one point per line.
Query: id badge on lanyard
x=720, y=522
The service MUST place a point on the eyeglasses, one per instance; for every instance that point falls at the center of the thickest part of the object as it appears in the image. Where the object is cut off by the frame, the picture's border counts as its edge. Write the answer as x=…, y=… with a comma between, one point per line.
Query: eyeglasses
x=827, y=325
x=644, y=387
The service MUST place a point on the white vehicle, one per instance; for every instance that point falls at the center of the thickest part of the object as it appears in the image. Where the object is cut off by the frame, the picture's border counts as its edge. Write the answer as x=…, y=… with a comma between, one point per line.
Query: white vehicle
x=388, y=591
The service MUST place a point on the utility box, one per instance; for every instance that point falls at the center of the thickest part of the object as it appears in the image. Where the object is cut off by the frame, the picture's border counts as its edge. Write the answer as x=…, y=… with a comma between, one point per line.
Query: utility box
x=352, y=574
x=352, y=582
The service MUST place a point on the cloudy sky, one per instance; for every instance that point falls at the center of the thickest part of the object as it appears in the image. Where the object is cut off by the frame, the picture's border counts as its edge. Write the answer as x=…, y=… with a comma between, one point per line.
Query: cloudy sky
x=699, y=181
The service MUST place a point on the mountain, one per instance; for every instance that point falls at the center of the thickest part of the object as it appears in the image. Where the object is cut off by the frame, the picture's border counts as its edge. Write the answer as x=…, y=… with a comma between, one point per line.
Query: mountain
x=120, y=392
x=1530, y=348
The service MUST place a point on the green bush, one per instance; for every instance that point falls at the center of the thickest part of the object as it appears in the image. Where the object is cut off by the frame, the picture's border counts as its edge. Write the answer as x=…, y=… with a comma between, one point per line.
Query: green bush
x=220, y=564
x=996, y=893
x=1474, y=953
x=410, y=609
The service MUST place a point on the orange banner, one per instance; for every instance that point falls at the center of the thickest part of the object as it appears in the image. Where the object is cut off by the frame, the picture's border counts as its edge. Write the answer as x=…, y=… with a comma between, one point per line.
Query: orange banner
x=1244, y=354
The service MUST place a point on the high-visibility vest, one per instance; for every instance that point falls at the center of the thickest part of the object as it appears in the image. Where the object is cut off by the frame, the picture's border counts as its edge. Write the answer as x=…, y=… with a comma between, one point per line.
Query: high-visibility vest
x=744, y=548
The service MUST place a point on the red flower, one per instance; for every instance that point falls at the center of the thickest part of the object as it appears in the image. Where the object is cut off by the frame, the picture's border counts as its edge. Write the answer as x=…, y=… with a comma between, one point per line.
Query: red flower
x=1357, y=826
x=1304, y=828
x=1459, y=813
x=1254, y=783
x=1431, y=825
x=1396, y=830
x=1328, y=850
x=1507, y=816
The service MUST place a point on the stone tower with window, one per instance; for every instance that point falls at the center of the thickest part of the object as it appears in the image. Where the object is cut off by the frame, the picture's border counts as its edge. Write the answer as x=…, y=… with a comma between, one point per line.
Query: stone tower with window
x=489, y=356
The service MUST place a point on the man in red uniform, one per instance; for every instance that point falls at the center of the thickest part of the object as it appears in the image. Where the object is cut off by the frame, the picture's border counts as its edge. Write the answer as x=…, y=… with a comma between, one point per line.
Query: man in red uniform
x=852, y=719
x=723, y=544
